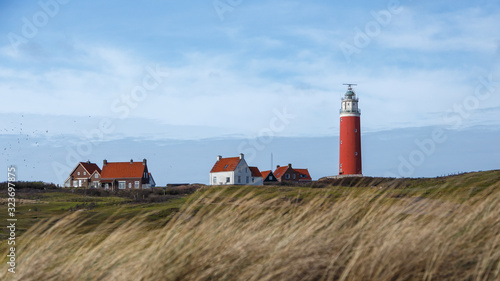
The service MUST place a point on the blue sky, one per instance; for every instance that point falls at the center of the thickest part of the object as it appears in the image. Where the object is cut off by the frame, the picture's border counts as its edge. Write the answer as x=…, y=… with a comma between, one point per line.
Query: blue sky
x=197, y=70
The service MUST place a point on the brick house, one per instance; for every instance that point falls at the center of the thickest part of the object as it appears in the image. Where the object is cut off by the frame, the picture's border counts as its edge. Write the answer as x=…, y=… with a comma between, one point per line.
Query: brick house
x=294, y=175
x=125, y=175
x=85, y=174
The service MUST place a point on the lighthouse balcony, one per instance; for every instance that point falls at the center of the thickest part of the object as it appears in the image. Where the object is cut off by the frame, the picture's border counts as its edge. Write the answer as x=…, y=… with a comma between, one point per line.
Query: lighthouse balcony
x=349, y=98
x=357, y=110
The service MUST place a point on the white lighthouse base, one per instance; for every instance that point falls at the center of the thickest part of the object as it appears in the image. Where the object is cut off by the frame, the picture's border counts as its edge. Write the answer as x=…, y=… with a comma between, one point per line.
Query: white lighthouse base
x=343, y=176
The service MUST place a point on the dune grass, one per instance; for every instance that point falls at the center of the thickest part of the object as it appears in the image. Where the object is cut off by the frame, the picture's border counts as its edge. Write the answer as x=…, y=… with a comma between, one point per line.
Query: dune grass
x=240, y=234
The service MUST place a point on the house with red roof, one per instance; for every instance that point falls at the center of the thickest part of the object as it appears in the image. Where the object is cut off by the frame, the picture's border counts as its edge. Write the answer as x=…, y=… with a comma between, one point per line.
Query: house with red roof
x=289, y=174
x=233, y=171
x=85, y=174
x=125, y=175
x=269, y=177
x=256, y=176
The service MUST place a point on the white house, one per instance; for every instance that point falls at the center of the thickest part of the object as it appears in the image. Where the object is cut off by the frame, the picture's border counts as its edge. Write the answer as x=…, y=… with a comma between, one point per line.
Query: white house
x=231, y=171
x=257, y=178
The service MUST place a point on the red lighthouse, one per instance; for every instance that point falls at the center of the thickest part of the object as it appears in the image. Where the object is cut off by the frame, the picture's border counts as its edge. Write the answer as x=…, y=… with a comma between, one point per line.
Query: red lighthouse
x=350, y=135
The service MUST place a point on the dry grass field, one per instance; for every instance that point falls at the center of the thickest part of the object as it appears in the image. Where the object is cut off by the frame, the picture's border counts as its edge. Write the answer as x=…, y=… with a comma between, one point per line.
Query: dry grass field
x=430, y=229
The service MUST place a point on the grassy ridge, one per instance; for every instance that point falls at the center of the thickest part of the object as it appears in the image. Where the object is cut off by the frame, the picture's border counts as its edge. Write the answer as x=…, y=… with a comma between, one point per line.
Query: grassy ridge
x=383, y=229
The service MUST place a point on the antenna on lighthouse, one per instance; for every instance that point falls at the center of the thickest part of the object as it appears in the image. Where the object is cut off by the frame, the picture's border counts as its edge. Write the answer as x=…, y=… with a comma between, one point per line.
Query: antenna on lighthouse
x=350, y=84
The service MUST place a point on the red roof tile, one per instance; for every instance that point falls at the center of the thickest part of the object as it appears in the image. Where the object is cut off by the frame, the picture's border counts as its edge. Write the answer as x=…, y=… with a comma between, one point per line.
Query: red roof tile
x=304, y=172
x=123, y=170
x=279, y=172
x=265, y=174
x=90, y=167
x=255, y=172
x=226, y=165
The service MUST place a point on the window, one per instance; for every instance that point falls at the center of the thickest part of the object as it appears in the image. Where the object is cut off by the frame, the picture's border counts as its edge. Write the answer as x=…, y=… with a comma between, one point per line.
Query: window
x=225, y=167
x=75, y=183
x=214, y=180
x=340, y=142
x=248, y=180
x=228, y=180
x=239, y=179
x=302, y=176
x=287, y=176
x=293, y=176
x=340, y=119
x=253, y=179
x=78, y=173
x=270, y=178
x=129, y=185
x=106, y=186
x=355, y=153
x=121, y=185
x=96, y=176
x=136, y=184
x=340, y=165
x=84, y=173
x=355, y=130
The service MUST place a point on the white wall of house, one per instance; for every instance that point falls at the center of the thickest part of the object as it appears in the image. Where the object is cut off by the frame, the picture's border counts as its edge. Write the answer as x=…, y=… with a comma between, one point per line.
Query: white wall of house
x=242, y=174
x=221, y=178
x=257, y=181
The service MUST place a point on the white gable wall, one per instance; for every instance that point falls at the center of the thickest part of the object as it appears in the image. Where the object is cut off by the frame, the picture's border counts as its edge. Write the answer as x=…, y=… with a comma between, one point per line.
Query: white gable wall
x=242, y=174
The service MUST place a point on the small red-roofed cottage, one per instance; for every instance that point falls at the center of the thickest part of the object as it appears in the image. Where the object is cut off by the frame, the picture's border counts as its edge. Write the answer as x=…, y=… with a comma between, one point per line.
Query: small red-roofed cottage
x=83, y=175
x=256, y=176
x=125, y=175
x=289, y=174
x=231, y=171
x=304, y=177
x=268, y=177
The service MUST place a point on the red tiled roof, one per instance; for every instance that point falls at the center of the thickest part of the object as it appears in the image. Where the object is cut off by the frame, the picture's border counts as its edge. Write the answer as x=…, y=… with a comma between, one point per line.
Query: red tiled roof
x=304, y=172
x=90, y=167
x=255, y=172
x=265, y=174
x=226, y=165
x=279, y=172
x=123, y=170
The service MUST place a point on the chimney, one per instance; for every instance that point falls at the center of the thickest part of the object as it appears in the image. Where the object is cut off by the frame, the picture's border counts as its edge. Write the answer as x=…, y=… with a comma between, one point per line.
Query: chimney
x=131, y=161
x=144, y=161
x=277, y=166
x=88, y=161
x=104, y=162
x=289, y=165
x=242, y=156
x=219, y=158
